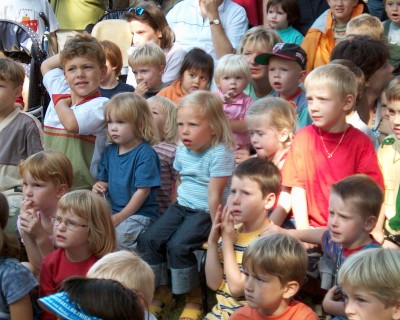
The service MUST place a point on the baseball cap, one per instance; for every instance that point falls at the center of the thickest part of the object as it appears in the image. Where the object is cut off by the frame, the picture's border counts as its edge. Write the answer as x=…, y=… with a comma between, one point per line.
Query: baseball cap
x=290, y=51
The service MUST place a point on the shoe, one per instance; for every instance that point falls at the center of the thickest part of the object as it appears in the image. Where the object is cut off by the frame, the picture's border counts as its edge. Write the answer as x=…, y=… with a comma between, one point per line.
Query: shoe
x=191, y=313
x=168, y=302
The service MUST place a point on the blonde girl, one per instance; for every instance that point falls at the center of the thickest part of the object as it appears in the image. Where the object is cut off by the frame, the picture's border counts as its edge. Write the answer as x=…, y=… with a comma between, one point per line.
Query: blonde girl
x=46, y=177
x=129, y=170
x=232, y=75
x=83, y=233
x=164, y=114
x=17, y=282
x=205, y=164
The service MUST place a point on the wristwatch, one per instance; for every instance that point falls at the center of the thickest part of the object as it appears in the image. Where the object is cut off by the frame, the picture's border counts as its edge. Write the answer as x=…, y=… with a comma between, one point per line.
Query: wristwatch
x=215, y=21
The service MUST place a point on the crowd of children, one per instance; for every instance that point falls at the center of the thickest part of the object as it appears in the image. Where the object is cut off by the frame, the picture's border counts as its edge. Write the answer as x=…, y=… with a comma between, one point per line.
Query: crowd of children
x=281, y=154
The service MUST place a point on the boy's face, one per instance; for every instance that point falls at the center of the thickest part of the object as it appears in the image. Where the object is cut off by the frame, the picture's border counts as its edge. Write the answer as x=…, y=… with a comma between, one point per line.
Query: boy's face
x=233, y=84
x=346, y=226
x=284, y=76
x=247, y=204
x=193, y=80
x=83, y=75
x=327, y=109
x=265, y=293
x=9, y=92
x=362, y=305
x=150, y=74
x=384, y=124
x=342, y=9
x=393, y=109
x=277, y=18
x=392, y=8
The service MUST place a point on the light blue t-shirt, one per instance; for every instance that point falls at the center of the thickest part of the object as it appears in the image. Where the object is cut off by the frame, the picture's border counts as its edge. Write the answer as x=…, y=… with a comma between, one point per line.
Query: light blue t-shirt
x=290, y=35
x=196, y=170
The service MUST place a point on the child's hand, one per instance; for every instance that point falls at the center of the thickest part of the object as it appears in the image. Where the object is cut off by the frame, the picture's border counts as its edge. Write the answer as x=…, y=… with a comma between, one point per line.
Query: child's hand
x=142, y=88
x=227, y=226
x=215, y=232
x=30, y=222
x=100, y=187
x=272, y=229
x=334, y=294
x=229, y=96
x=241, y=154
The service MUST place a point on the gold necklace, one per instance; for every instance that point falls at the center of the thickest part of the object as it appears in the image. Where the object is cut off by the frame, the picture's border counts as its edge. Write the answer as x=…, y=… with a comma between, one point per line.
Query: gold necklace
x=330, y=154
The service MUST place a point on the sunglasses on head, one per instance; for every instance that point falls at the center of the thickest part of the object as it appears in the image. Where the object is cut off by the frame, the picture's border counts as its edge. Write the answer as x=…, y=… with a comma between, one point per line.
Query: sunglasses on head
x=138, y=11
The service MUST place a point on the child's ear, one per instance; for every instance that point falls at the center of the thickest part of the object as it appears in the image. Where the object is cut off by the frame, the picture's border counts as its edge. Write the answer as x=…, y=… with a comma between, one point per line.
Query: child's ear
x=396, y=311
x=370, y=223
x=348, y=102
x=290, y=289
x=161, y=71
x=269, y=200
x=284, y=135
x=302, y=75
x=61, y=190
x=159, y=34
x=18, y=92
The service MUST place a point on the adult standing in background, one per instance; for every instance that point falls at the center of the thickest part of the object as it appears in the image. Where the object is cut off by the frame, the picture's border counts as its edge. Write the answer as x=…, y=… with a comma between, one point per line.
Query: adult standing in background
x=74, y=16
x=213, y=25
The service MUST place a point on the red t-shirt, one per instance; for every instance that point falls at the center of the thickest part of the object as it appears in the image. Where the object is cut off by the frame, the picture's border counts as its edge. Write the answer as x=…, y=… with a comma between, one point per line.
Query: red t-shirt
x=55, y=269
x=307, y=165
x=296, y=310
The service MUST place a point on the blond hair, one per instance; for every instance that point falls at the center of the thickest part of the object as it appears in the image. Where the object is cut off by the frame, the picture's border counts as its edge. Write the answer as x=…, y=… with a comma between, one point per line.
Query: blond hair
x=50, y=166
x=232, y=65
x=133, y=109
x=365, y=24
x=375, y=271
x=393, y=90
x=168, y=110
x=93, y=208
x=279, y=112
x=127, y=268
x=278, y=255
x=259, y=36
x=210, y=105
x=12, y=71
x=147, y=54
x=338, y=78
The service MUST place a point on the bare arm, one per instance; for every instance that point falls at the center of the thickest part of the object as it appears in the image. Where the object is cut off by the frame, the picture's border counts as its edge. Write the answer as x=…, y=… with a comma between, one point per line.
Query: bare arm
x=238, y=126
x=66, y=115
x=313, y=236
x=22, y=309
x=133, y=205
x=50, y=64
x=333, y=304
x=215, y=189
x=299, y=207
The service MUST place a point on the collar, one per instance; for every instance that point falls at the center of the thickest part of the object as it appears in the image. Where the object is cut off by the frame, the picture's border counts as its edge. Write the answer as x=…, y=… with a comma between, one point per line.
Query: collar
x=58, y=97
x=348, y=252
x=294, y=95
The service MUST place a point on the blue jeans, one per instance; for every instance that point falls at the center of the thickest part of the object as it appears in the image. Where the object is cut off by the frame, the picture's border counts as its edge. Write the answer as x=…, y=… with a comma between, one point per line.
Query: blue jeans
x=179, y=231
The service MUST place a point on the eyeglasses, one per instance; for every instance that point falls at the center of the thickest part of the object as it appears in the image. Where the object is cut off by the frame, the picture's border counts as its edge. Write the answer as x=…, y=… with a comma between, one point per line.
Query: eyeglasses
x=69, y=224
x=138, y=10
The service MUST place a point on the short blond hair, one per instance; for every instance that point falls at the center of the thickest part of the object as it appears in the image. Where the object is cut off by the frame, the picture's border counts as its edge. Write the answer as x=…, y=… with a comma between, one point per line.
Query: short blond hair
x=338, y=78
x=232, y=65
x=365, y=24
x=93, y=208
x=147, y=54
x=259, y=36
x=127, y=268
x=135, y=110
x=376, y=271
x=50, y=166
x=211, y=106
x=168, y=109
x=393, y=90
x=278, y=255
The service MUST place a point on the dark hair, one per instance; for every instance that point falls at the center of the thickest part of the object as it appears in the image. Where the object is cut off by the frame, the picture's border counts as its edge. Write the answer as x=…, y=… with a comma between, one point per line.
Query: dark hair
x=291, y=8
x=104, y=298
x=368, y=54
x=262, y=171
x=197, y=59
x=155, y=19
x=113, y=54
x=9, y=245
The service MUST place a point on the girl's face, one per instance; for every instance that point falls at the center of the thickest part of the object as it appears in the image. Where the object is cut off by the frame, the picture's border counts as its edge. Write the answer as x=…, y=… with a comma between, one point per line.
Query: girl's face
x=277, y=18
x=342, y=9
x=158, y=116
x=250, y=51
x=392, y=8
x=194, y=129
x=70, y=231
x=232, y=84
x=121, y=133
x=43, y=194
x=193, y=80
x=143, y=33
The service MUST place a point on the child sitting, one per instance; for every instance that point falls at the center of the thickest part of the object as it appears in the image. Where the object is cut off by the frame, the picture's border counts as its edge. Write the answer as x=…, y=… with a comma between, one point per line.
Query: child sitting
x=254, y=189
x=129, y=170
x=195, y=73
x=370, y=285
x=130, y=270
x=281, y=14
x=76, y=127
x=46, y=177
x=147, y=62
x=328, y=30
x=330, y=149
x=164, y=114
x=274, y=267
x=286, y=68
x=231, y=76
x=109, y=85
